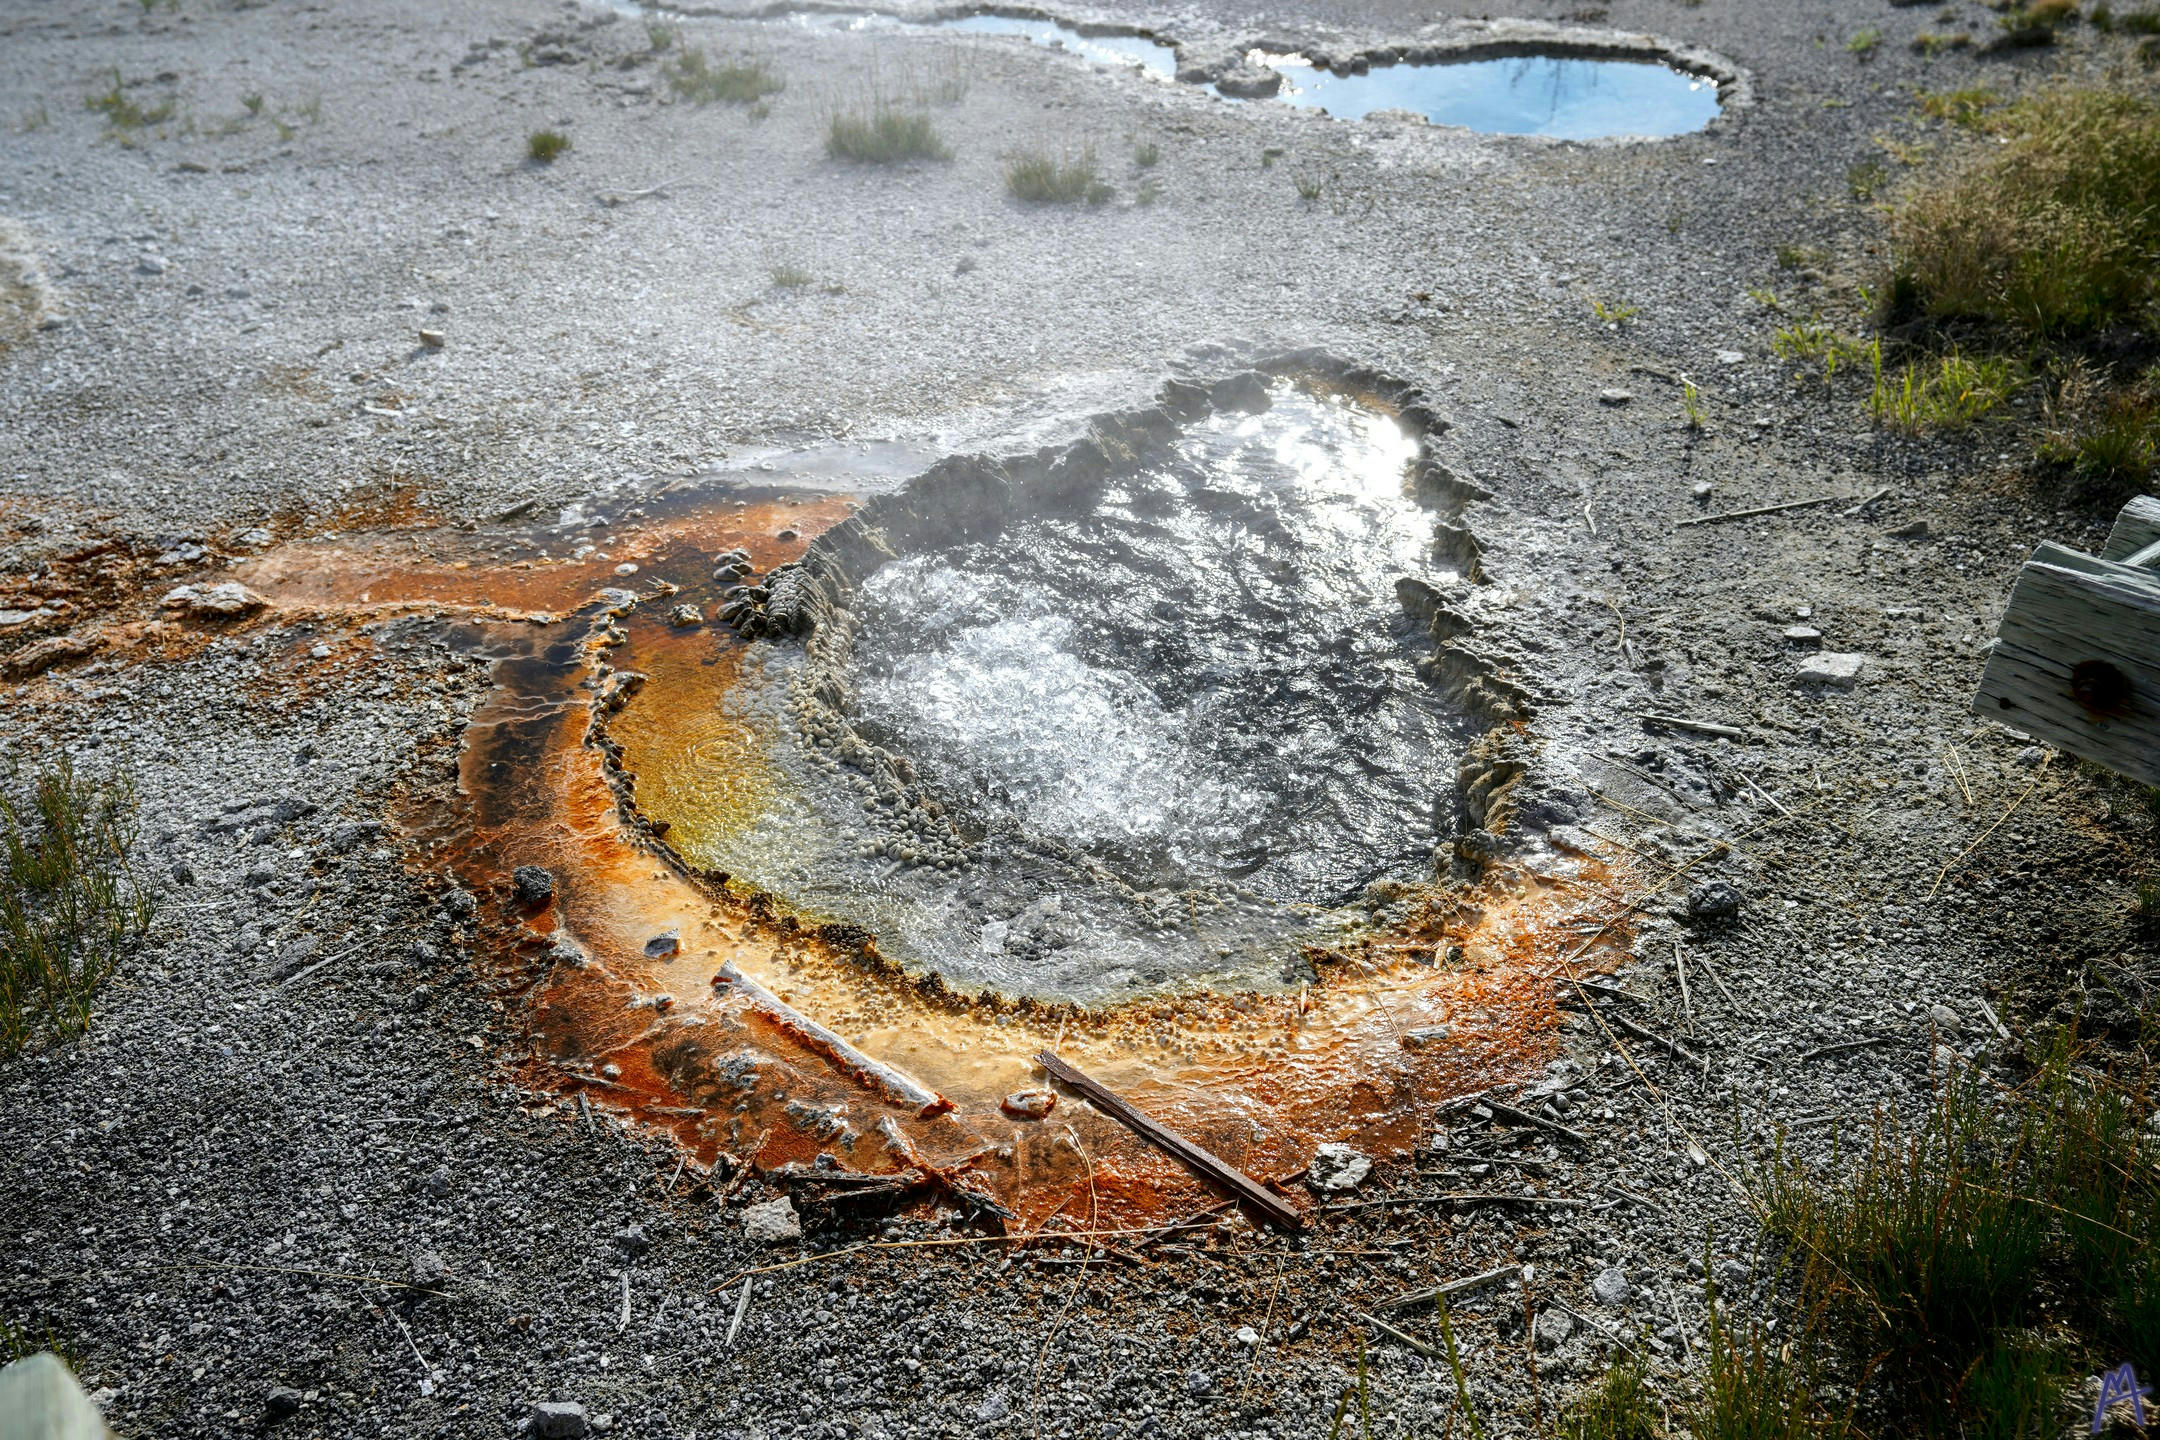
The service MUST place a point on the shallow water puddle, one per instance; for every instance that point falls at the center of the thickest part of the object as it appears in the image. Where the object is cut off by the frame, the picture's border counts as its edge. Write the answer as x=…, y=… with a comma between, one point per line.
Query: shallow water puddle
x=1108, y=48
x=1561, y=97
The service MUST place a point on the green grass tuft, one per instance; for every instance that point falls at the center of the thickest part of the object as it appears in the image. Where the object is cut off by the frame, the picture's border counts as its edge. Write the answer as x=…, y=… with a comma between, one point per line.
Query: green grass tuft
x=791, y=277
x=1619, y=1407
x=1147, y=154
x=694, y=77
x=2049, y=230
x=1864, y=42
x=1041, y=178
x=1949, y=392
x=545, y=145
x=70, y=906
x=883, y=132
x=123, y=114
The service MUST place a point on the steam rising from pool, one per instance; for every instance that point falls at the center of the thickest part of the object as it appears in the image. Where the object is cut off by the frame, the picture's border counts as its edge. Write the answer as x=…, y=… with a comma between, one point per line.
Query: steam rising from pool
x=1162, y=728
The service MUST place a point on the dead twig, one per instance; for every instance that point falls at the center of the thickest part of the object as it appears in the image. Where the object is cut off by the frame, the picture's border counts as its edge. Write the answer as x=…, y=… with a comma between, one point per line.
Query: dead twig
x=1762, y=510
x=1452, y=1287
x=1394, y=1334
x=1201, y=1162
x=2044, y=759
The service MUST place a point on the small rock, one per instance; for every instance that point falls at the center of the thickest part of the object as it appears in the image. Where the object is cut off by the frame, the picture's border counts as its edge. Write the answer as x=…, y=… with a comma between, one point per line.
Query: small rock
x=2029, y=758
x=432, y=339
x=1247, y=1336
x=226, y=600
x=1834, y=669
x=1615, y=397
x=1702, y=491
x=633, y=1241
x=558, y=1420
x=152, y=265
x=1553, y=1328
x=1803, y=635
x=1917, y=530
x=182, y=873
x=994, y=1407
x=1730, y=357
x=427, y=1267
x=1028, y=1104
x=1611, y=1286
x=1248, y=80
x=1946, y=1019
x=1425, y=1036
x=252, y=539
x=786, y=535
x=41, y=655
x=772, y=1223
x=1336, y=1166
x=319, y=651
x=534, y=886
x=438, y=1184
x=1947, y=1059
x=1714, y=900
x=667, y=943
x=626, y=568
x=282, y=1401
x=686, y=616
x=350, y=835
x=1198, y=1382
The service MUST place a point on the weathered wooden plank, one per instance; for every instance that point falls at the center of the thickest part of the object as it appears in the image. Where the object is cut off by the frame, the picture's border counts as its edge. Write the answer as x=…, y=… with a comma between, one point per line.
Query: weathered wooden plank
x=1201, y=1162
x=2077, y=660
x=2136, y=527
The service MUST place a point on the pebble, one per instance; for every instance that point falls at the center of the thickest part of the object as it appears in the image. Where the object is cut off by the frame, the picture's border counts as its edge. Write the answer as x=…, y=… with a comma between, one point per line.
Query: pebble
x=1714, y=900
x=1917, y=530
x=282, y=1401
x=666, y=943
x=534, y=884
x=1426, y=1035
x=1615, y=397
x=772, y=1223
x=1553, y=1329
x=1702, y=491
x=1028, y=1104
x=1833, y=669
x=558, y=1420
x=1611, y=1286
x=433, y=339
x=438, y=1184
x=1803, y=635
x=686, y=615
x=626, y=568
x=1336, y=1166
x=319, y=651
x=225, y=600
x=633, y=1241
x=152, y=265
x=1946, y=1019
x=1247, y=1336
x=1730, y=357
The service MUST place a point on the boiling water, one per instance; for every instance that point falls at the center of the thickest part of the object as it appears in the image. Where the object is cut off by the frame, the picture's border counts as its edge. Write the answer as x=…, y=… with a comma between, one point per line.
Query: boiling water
x=1175, y=723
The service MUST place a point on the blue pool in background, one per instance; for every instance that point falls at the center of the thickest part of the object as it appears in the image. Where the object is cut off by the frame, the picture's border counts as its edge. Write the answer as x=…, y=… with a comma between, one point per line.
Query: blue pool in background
x=1564, y=98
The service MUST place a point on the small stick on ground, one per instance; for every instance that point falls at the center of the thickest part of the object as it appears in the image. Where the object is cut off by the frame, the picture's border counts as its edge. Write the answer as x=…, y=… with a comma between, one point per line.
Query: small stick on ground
x=1881, y=494
x=1687, y=1002
x=1699, y=727
x=622, y=1322
x=1994, y=1019
x=1764, y=510
x=1503, y=1111
x=1719, y=981
x=1193, y=1157
x=1529, y=1338
x=2044, y=759
x=1451, y=1287
x=742, y=1308
x=1671, y=1047
x=1394, y=1334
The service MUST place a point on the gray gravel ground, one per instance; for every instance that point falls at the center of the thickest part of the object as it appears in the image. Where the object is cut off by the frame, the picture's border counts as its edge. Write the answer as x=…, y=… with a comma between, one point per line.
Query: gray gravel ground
x=256, y=1174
